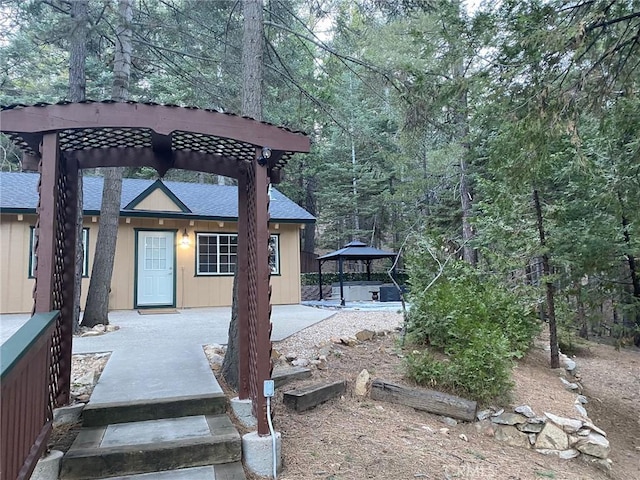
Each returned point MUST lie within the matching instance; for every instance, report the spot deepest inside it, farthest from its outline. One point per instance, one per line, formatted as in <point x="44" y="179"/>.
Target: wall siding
<point x="191" y="290"/>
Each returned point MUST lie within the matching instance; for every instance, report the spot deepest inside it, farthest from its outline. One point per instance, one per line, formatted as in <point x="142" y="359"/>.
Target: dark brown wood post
<point x="47" y="223"/>
<point x="69" y="211"/>
<point x="243" y="287"/>
<point x="262" y="318"/>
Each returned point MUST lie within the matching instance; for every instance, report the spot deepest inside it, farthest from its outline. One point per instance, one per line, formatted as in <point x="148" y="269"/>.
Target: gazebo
<point x="60" y="139"/>
<point x="354" y="250"/>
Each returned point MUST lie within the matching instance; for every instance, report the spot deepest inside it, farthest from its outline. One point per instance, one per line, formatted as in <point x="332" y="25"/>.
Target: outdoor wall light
<point x="186" y="241"/>
<point x="264" y="156"/>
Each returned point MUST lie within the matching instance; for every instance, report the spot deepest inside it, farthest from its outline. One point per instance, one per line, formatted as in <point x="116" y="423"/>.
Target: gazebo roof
<point x="146" y="134"/>
<point x="357" y="250"/>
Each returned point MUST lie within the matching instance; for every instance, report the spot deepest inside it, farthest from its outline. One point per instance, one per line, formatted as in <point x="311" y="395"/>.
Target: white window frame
<point x="274" y="254"/>
<point x="217" y="254"/>
<point x="32" y="252"/>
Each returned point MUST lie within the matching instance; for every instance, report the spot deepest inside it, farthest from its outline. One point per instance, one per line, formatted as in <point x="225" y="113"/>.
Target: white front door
<point x="155" y="272"/>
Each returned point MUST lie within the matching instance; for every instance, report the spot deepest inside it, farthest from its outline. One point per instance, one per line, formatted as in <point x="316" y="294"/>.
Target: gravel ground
<point x="306" y="343"/>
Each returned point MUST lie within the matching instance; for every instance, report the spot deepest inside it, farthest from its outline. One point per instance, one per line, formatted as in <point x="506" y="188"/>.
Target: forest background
<point x="504" y="133"/>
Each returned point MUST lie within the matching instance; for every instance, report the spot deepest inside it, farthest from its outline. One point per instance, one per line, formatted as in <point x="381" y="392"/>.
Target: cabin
<point x="176" y="247"/>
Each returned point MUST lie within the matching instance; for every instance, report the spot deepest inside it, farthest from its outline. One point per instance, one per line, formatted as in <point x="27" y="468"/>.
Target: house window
<point x="32" y="252"/>
<point x="274" y="254"/>
<point x="217" y="254"/>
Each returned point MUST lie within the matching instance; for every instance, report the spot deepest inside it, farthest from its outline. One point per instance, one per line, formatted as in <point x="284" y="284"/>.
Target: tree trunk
<point x="252" y="74"/>
<point x="461" y="124"/>
<point x="97" y="307"/>
<point x="633" y="271"/>
<point x="582" y="317"/>
<point x="77" y="88"/>
<point x="546" y="271"/>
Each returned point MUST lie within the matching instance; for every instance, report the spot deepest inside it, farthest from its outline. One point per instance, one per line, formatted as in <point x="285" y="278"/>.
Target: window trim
<point x="275" y="272"/>
<point x="272" y="236"/>
<point x="198" y="273"/>
<point x="32" y="253"/>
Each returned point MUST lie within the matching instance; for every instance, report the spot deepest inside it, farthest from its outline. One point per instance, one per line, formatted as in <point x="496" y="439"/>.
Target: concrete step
<point x="109" y="413"/>
<point x="152" y="446"/>
<point x="228" y="471"/>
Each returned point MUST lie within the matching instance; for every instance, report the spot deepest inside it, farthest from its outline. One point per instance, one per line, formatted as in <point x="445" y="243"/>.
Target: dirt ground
<point x="358" y="438"/>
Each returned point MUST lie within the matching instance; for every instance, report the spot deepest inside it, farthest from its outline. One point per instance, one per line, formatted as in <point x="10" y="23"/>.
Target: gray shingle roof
<point x="18" y="192"/>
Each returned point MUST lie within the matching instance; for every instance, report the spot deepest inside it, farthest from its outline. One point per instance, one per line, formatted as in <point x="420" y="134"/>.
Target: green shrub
<point x="476" y="320"/>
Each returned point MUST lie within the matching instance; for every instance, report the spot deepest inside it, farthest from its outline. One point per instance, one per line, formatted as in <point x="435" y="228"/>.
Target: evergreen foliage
<point x="478" y="322"/>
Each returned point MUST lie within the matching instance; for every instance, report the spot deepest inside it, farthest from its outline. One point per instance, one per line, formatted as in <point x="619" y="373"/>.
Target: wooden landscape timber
<point x="425" y="399"/>
<point x="305" y="398"/>
<point x="284" y="375"/>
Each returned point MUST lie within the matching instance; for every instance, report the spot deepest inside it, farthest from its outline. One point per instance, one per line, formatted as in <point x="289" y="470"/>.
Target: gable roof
<point x="19" y="194"/>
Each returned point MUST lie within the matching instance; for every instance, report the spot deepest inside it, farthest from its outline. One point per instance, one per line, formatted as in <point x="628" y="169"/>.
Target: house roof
<point x="19" y="194"/>
<point x="357" y="250"/>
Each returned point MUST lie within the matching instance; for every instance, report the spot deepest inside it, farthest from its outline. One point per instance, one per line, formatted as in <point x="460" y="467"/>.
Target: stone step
<point x="227" y="471"/>
<point x="109" y="413"/>
<point x="151" y="446"/>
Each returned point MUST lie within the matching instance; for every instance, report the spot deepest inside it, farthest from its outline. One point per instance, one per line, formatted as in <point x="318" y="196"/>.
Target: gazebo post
<point x="320" y="277"/>
<point x="342" y="301"/>
<point x="368" y="270"/>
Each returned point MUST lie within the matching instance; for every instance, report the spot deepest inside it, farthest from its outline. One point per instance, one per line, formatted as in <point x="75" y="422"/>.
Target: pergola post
<point x="243" y="287"/>
<point x="254" y="282"/>
<point x="55" y="253"/>
<point x="47" y="224"/>
<point x="320" y="277"/>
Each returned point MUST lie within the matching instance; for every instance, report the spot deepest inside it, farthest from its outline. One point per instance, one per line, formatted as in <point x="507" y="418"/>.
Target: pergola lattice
<point x="62" y="138"/>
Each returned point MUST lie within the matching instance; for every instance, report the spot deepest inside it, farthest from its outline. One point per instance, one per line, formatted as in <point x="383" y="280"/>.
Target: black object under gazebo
<point x="355" y="250"/>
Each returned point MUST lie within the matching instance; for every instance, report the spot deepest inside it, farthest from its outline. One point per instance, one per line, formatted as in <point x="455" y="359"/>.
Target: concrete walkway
<point x="160" y="356"/>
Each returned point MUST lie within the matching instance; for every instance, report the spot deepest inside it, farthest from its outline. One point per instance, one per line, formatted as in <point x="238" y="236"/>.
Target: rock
<point x="463" y="437"/>
<point x="275" y="354"/>
<point x="349" y="341"/>
<point x="570" y="365"/>
<point x="512" y="436"/>
<point x="444" y="431"/>
<point x="497" y="412"/>
<point x="84" y="398"/>
<point x="603" y="464"/>
<point x="595" y="429"/>
<point x="449" y="421"/>
<point x="572" y="387"/>
<point x="362" y="383"/>
<point x="112" y="328"/>
<point x="584" y="432"/>
<point x="530" y="427"/>
<point x="581" y="410"/>
<point x="322" y="363"/>
<point x="582" y="399"/>
<point x="564" y="454"/>
<point x="532" y="438"/>
<point x="215" y="359"/>
<point x="552" y="437"/>
<point x="300" y="362"/>
<point x="525" y="410"/>
<point x="569" y="425"/>
<point x="91" y="333"/>
<point x="335" y="340"/>
<point x="595" y="445"/>
<point x="509" y="419"/>
<point x="365" y="335"/>
<point x="484" y="414"/>
<point x="485" y="427"/>
<point x="88" y="378"/>
<point x="99" y="327"/>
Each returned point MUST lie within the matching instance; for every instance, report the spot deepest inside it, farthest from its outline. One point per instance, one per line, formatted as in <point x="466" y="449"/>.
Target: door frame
<point x="136" y="231"/>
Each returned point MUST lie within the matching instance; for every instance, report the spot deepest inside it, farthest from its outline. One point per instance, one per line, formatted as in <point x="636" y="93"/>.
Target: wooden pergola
<point x="63" y="138"/>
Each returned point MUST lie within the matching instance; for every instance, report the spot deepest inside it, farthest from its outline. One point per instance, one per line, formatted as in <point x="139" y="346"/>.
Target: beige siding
<point x="191" y="290"/>
<point x="158" y="201"/>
